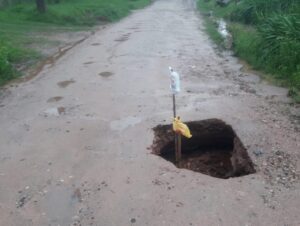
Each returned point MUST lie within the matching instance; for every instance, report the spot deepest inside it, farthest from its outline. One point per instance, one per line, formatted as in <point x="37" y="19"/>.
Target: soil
<point x="214" y="149"/>
<point x="91" y="164"/>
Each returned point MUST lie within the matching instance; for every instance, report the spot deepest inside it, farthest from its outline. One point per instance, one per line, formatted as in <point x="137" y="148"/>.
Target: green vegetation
<point x="9" y="57"/>
<point x="266" y="33"/>
<point x="20" y="22"/>
<point x="211" y="30"/>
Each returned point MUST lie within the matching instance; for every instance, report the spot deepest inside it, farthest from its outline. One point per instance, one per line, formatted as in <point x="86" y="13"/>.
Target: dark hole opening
<point x="214" y="149"/>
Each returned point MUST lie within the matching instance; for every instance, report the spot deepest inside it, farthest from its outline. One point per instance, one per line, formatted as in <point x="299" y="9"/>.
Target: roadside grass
<point x="210" y="28"/>
<point x="246" y="41"/>
<point x="21" y="26"/>
<point x="271" y="45"/>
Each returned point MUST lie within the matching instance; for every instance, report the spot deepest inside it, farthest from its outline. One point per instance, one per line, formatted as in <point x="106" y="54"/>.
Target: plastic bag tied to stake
<point x="181" y="128"/>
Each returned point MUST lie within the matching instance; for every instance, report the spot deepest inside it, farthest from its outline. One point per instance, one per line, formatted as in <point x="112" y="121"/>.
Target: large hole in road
<point x="214" y="149"/>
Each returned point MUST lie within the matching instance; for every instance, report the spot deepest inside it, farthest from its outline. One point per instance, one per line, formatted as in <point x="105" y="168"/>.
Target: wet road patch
<point x="214" y="149"/>
<point x="123" y="38"/>
<point x="54" y="111"/>
<point x="106" y="74"/>
<point x="64" y="84"/>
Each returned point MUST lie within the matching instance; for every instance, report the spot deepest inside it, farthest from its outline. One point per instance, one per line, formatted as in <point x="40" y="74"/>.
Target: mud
<point x="214" y="149"/>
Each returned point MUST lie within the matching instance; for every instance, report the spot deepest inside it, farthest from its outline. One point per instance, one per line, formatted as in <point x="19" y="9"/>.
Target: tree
<point x="41" y="6"/>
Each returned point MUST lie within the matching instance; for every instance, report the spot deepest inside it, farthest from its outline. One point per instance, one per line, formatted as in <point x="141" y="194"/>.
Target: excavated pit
<point x="214" y="149"/>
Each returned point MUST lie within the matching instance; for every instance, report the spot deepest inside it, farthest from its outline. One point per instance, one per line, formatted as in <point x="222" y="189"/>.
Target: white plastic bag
<point x="175" y="81"/>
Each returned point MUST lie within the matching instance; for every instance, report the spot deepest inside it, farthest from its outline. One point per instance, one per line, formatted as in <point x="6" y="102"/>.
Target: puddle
<point x="124" y="123"/>
<point x="64" y="84"/>
<point x="214" y="149"/>
<point x="77" y="195"/>
<point x="54" y="111"/>
<point x="106" y="74"/>
<point x="54" y="99"/>
<point x="60" y="205"/>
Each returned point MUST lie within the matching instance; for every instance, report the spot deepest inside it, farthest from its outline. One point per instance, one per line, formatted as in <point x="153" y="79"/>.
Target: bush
<point x="246" y="43"/>
<point x="255" y="11"/>
<point x="281" y="44"/>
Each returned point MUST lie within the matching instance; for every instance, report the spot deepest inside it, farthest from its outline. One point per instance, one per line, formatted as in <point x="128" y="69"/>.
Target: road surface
<point x="76" y="139"/>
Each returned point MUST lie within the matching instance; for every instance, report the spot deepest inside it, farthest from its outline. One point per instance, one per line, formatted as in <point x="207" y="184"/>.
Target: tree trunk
<point x="41" y="6"/>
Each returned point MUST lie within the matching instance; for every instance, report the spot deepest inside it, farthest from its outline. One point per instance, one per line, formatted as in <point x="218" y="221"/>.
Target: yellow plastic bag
<point x="180" y="127"/>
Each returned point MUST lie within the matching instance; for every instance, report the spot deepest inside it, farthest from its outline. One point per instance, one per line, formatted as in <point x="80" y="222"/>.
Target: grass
<point x="210" y="28"/>
<point x="268" y="38"/>
<point x="20" y="24"/>
<point x="246" y="41"/>
<point x="73" y="12"/>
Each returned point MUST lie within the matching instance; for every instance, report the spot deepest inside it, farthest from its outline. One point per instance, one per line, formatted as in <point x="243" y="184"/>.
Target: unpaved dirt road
<point x="75" y="139"/>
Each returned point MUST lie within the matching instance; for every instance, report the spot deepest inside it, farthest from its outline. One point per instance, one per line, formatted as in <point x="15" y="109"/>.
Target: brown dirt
<point x="214" y="149"/>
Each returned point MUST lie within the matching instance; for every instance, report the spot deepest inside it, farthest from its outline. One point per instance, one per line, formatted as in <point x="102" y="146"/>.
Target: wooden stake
<point x="174" y="106"/>
<point x="178" y="156"/>
<point x="177" y="137"/>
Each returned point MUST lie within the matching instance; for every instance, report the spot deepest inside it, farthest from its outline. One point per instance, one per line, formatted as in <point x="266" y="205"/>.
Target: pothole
<point x="214" y="149"/>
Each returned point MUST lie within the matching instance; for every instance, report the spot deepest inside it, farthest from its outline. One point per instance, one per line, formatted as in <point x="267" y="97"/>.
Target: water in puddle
<point x="55" y="111"/>
<point x="60" y="205"/>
